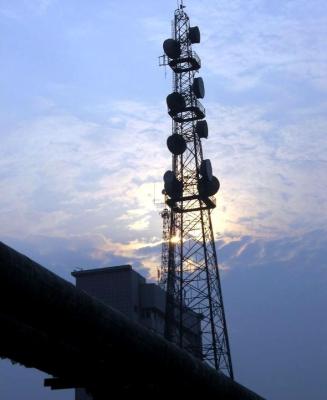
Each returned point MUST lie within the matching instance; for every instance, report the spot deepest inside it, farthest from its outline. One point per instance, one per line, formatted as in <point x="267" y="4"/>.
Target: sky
<point x="83" y="127"/>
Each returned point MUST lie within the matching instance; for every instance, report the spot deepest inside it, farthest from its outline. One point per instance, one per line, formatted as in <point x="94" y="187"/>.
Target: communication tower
<point x="189" y="269"/>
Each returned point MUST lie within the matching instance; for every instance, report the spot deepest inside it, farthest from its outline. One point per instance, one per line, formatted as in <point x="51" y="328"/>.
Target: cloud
<point x="69" y="177"/>
<point x="78" y="181"/>
<point x="92" y="172"/>
<point x="308" y="250"/>
<point x="60" y="162"/>
<point x="254" y="43"/>
<point x="266" y="169"/>
<point x="275" y="294"/>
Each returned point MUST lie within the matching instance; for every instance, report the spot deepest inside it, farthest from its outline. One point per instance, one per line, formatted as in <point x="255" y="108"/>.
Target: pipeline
<point x="48" y="324"/>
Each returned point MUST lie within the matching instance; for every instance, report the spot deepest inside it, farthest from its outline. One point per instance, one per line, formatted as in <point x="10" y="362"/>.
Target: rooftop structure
<point x="127" y="291"/>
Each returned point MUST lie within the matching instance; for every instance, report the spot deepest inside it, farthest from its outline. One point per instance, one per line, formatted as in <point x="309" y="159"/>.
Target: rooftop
<point x="97" y="271"/>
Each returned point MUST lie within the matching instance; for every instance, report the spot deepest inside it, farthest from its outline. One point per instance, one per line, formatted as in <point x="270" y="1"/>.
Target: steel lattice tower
<point x="189" y="270"/>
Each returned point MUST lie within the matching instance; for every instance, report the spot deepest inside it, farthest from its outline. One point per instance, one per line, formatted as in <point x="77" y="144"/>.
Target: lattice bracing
<point x="189" y="270"/>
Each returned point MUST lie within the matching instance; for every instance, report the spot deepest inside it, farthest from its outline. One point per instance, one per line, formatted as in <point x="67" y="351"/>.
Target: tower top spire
<point x="181" y="4"/>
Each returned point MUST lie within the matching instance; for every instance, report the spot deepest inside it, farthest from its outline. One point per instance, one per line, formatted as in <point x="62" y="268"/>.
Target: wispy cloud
<point x="92" y="171"/>
<point x="253" y="42"/>
<point x="266" y="169"/>
<point x="305" y="250"/>
<point x="64" y="175"/>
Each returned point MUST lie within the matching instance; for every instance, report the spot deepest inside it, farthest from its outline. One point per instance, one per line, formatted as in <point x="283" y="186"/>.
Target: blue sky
<point x="83" y="126"/>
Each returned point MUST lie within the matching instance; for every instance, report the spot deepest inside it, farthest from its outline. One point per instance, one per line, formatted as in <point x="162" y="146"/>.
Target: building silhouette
<point x="127" y="291"/>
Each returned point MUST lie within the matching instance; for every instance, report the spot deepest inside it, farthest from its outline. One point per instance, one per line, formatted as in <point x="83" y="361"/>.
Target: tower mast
<point x="189" y="271"/>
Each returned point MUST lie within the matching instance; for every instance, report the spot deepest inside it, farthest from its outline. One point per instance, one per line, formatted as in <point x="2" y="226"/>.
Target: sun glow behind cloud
<point x="72" y="177"/>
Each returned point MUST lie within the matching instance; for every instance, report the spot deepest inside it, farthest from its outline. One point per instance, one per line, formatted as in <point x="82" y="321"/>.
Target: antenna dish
<point x="194" y="34"/>
<point x="176" y="144"/>
<point x="169" y="177"/>
<point x="201" y="129"/>
<point x="206" y="170"/>
<point x="208" y="188"/>
<point x="173" y="187"/>
<point x="176" y="102"/>
<point x="198" y="87"/>
<point x="172" y="48"/>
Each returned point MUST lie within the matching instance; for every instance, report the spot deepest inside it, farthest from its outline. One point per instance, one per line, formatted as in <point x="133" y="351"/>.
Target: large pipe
<point x="79" y="339"/>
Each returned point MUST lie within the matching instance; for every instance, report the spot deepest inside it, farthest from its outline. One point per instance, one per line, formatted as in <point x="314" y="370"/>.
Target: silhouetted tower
<point x="189" y="271"/>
